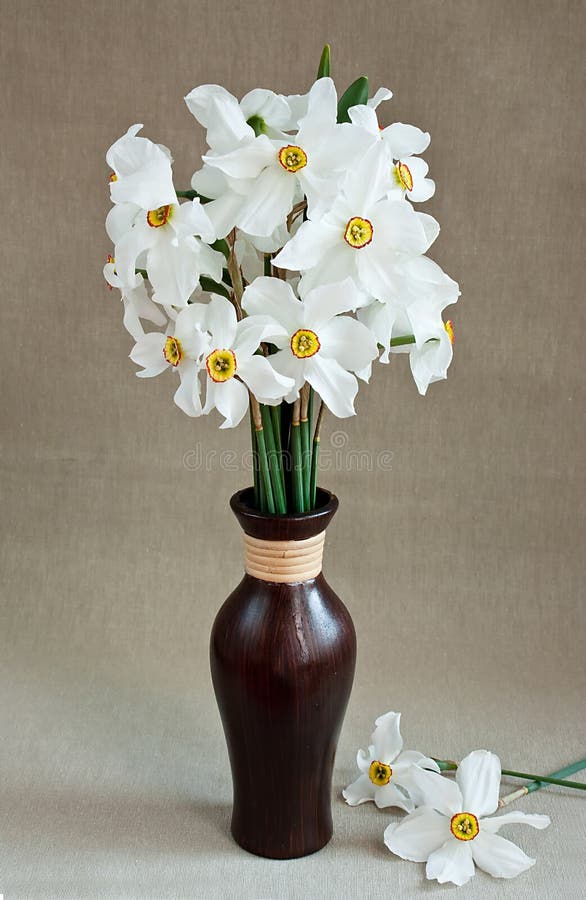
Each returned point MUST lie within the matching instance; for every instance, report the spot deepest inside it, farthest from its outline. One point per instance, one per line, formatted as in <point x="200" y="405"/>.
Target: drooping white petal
<point x="364" y="758"/>
<point x="360" y="791"/>
<point x="231" y="400"/>
<point x="252" y="330"/>
<point x="174" y="270"/>
<point x="365" y="117"/>
<point x="219" y="112"/>
<point x="423" y="188"/>
<point x="265" y="382"/>
<point x="431" y="789"/>
<point x="380" y="96"/>
<point x="379" y="318"/>
<point x="224" y="211"/>
<point x="349" y="342"/>
<point x="192" y="218"/>
<point x="479" y="778"/>
<point x="221" y="322"/>
<point x="148" y="353"/>
<point x="495" y="823"/>
<point x="430" y="227"/>
<point x="386" y="737"/>
<point x="368" y="182"/>
<point x="187" y="395"/>
<point x="499" y="857"/>
<point x="270" y="107"/>
<point x="120" y="220"/>
<point x="309" y="246"/>
<point x="323" y="303"/>
<point x="246" y="161"/>
<point x="130" y="246"/>
<point x="390" y="795"/>
<point x="452" y="862"/>
<point x="143" y="172"/>
<point x="408" y="758"/>
<point x="273" y="297"/>
<point x="418" y="835"/>
<point x="322" y="108"/>
<point x="335" y="385"/>
<point x="268" y="202"/>
<point x="189" y="331"/>
<point x="405" y="140"/>
<point x="287" y="364"/>
<point x="138" y="305"/>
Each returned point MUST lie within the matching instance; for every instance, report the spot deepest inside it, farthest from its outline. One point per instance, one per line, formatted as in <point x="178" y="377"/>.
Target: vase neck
<point x="284" y="562"/>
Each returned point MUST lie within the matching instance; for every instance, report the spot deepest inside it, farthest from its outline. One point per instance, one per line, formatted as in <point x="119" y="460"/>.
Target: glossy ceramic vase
<point x="282" y="651"/>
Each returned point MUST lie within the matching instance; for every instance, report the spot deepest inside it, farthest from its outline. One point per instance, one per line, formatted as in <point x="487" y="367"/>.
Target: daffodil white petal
<point x="336" y="387"/>
<point x="143" y="172"/>
<point x="219" y="112"/>
<point x="386" y="737"/>
<point x="365" y="117"/>
<point x="431" y="789"/>
<point x="405" y="140"/>
<point x="120" y="220"/>
<point x="271" y="107"/>
<point x="192" y="218"/>
<point x="479" y="778"/>
<point x="137" y="306"/>
<point x="380" y="96"/>
<point x="323" y="303"/>
<point x="187" y="394"/>
<point x="231" y="401"/>
<point x="495" y="823"/>
<point x="247" y="161"/>
<point x="275" y="298"/>
<point x="130" y="246"/>
<point x="430" y="362"/>
<point x="308" y="247"/>
<point x="288" y="365"/>
<point x="148" y="353"/>
<point x="265" y="383"/>
<point x="360" y="791"/>
<point x="364" y="759"/>
<point x="418" y="835"/>
<point x="430" y="226"/>
<point x="408" y="758"/>
<point x="368" y="183"/>
<point x="499" y="857"/>
<point x="390" y="795"/>
<point x="221" y="322"/>
<point x="348" y="341"/>
<point x="174" y="270"/>
<point x="452" y="862"/>
<point x="266" y="207"/>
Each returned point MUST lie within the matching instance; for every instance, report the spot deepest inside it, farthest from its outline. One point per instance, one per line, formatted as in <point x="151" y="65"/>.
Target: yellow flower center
<point x="379" y="773"/>
<point x="358" y="232"/>
<point x="221" y="365"/>
<point x="172" y="351"/>
<point x="159" y="217"/>
<point x="113" y="177"/>
<point x="464" y="826"/>
<point x="403" y="176"/>
<point x="449" y="326"/>
<point x="292" y="158"/>
<point x="304" y="343"/>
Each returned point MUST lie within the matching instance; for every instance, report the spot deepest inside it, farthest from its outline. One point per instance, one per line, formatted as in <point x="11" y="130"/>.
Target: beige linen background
<point x="460" y="554"/>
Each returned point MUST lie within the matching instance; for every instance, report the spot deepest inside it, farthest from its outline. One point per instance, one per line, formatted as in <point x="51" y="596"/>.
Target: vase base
<point x="292" y="852"/>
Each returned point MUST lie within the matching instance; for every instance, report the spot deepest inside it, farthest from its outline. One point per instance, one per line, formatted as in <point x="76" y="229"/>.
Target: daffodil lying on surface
<point x="452" y="830"/>
<point x="387" y="770"/>
<point x="300" y="248"/>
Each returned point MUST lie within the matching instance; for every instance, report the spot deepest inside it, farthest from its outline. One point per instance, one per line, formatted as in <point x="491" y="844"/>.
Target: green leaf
<point x="355" y="95"/>
<point x="323" y="69"/>
<point x="258" y="124"/>
<point x="214" y="287"/>
<point x="222" y="246"/>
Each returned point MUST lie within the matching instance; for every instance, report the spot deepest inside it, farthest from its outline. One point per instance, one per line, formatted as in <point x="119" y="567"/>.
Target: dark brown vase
<point x="282" y="656"/>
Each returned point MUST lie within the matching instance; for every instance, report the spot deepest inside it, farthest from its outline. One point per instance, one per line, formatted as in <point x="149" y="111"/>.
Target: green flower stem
<point x="297" y="462"/>
<point x="401" y="341"/>
<point x="448" y="765"/>
<point x="214" y="287"/>
<point x="267" y="491"/>
<point x="315" y="455"/>
<point x="191" y="195"/>
<point x="267" y="264"/>
<point x="273" y="461"/>
<point x="305" y="446"/>
<point x="275" y="412"/>
<point x="255" y="465"/>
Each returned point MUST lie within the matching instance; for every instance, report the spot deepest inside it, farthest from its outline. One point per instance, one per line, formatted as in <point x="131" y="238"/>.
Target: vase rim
<point x="288" y="526"/>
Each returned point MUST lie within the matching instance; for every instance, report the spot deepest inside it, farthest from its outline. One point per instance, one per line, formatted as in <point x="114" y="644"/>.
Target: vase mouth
<point x="287" y="527"/>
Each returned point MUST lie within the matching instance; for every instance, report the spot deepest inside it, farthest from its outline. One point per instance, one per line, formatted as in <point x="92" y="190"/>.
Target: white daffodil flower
<point x="364" y="236"/>
<point x="430" y="361"/>
<point x="182" y="348"/>
<point x="318" y="344"/>
<point x="233" y="366"/>
<point x="173" y="238"/>
<point x="386" y="768"/>
<point x="421" y="291"/>
<point x="399" y="143"/>
<point x="141" y="171"/>
<point x="451" y="831"/>
<point x="137" y="303"/>
<point x="273" y="175"/>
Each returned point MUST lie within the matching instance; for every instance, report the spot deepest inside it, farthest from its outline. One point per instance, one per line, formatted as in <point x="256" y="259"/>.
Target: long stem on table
<point x="448" y="765"/>
<point x="315" y="455"/>
<point x="537" y="785"/>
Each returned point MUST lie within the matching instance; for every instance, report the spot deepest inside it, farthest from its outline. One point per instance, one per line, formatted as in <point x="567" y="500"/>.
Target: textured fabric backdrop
<point x="460" y="554"/>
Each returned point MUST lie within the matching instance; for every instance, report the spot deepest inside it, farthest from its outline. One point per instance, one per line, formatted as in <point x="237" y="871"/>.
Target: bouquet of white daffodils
<point x="296" y="259"/>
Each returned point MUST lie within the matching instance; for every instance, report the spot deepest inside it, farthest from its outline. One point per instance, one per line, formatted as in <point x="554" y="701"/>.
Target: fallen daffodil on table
<point x="452" y="828"/>
<point x="386" y="769"/>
